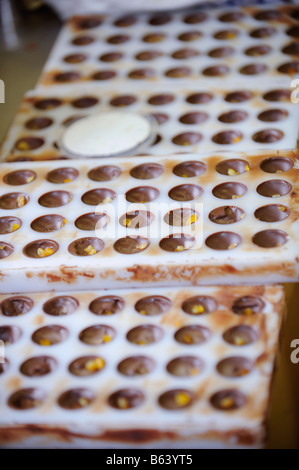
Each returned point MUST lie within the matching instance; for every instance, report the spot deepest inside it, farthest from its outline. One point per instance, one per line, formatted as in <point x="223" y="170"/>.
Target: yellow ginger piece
<point x="197" y="309"/>
<point x="64" y="221"/>
<point x="184" y="176"/>
<point x="20" y="201"/>
<point x="275" y="195"/>
<point x="232" y="172"/>
<point x="23" y="145"/>
<point x="282" y="208"/>
<point x="191" y="219"/>
<point x="123" y="403"/>
<point x="142" y="312"/>
<point x="239" y="341"/>
<point x="187" y="338"/>
<point x="106" y="338"/>
<point x="2" y="247"/>
<point x="95" y="364"/>
<point x="230" y="35"/>
<point x="235" y="196"/>
<point x="42" y="253"/>
<point x="233" y="245"/>
<point x="15" y="227"/>
<point x="106" y="200"/>
<point x="182" y="399"/>
<point x="246" y="168"/>
<point x="67" y="180"/>
<point x="90" y="250"/>
<point x="180" y="248"/>
<point x="194" y="371"/>
<point x="45" y="342"/>
<point x="30" y="178"/>
<point x="83" y="401"/>
<point x="248" y="311"/>
<point x="227" y="402"/>
<point x="141" y="246"/>
<point x="128" y="222"/>
<point x="236" y="139"/>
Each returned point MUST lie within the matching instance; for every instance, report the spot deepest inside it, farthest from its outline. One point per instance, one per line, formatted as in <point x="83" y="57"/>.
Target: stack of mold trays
<point x="192" y="244"/>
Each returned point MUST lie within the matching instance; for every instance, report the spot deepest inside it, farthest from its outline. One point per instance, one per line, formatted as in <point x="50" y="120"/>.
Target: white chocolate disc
<point x="107" y="134"/>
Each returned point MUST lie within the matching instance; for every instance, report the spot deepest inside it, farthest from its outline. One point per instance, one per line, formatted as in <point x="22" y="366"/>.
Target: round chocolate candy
<point x="189" y="36"/>
<point x="216" y="70"/>
<point x="126" y="398"/>
<point x="235" y="366"/>
<point x="123" y="101"/>
<point x="291" y="68"/>
<point x="76" y="398"/>
<point x="178" y="72"/>
<point x="48" y="223"/>
<point x="226" y="34"/>
<point x="86" y="246"/>
<point x="103" y="75"/>
<point x="293" y="32"/>
<point x="86" y="366"/>
<point x="154" y="37"/>
<point x="231" y="190"/>
<point x="17" y="305"/>
<point x="226" y="215"/>
<point x="11" y="201"/>
<point x="199" y="305"/>
<point x="136" y="365"/>
<point x="97" y="335"/>
<point x="85" y="102"/>
<point x="256" y="51"/>
<point x="264" y="32"/>
<point x="161" y="99"/>
<point x="194" y="118"/>
<point x="70" y="120"/>
<point x="4" y="366"/>
<point x="268" y="15"/>
<point x="55" y="199"/>
<point x="240" y="335"/>
<point x="253" y="69"/>
<point x="107" y="305"/>
<point x="147" y="171"/>
<point x="83" y="40"/>
<point x="229" y="399"/>
<point x="196" y="17"/>
<point x="111" y="57"/>
<point x="148" y="55"/>
<point x="67" y="77"/>
<point x="185" y="53"/>
<point x="131" y="245"/>
<point x="27" y="398"/>
<point x="50" y="335"/>
<point x="231" y="16"/>
<point x="153" y="305"/>
<point x="223" y="241"/>
<point x="136" y="219"/>
<point x="140" y="74"/>
<point x="239" y="96"/>
<point x="10" y="334"/>
<point x="48" y="103"/>
<point x="291" y="49"/>
<point x="278" y="95"/>
<point x="270" y="238"/>
<point x="75" y="58"/>
<point x="225" y="51"/>
<point x="273" y="115"/>
<point x="161" y="19"/>
<point x="272" y="213"/>
<point x="187" y="138"/>
<point x="90" y="22"/>
<point x="142" y="194"/>
<point x="98" y="196"/>
<point x="193" y="334"/>
<point x="62" y="175"/>
<point x="6" y="249"/>
<point x="145" y="334"/>
<point x="19" y="177"/>
<point x="60" y="306"/>
<point x="177" y="242"/>
<point x="9" y="224"/>
<point x="185" y="192"/>
<point x="227" y="137"/>
<point x="92" y="221"/>
<point x="125" y="21"/>
<point x="185" y="366"/>
<point x="29" y="143"/>
<point x="199" y="98"/>
<point x="177" y="399"/>
<point x="232" y="167"/>
<point x="181" y="217"/>
<point x="38" y="123"/>
<point x="276" y="164"/>
<point x="274" y="188"/>
<point x="41" y="248"/>
<point x="118" y="39"/>
<point x="190" y="169"/>
<point x="248" y="305"/>
<point x="38" y="366"/>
